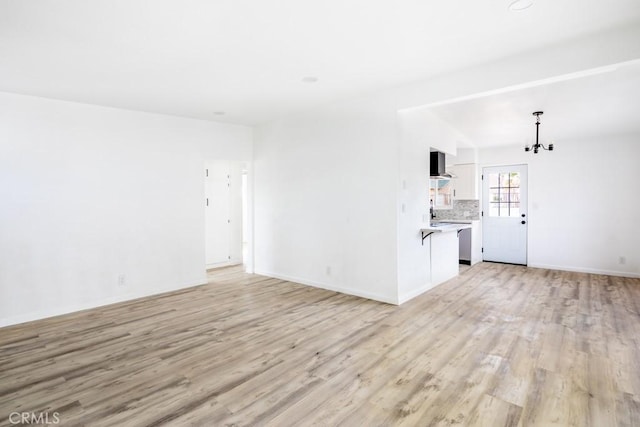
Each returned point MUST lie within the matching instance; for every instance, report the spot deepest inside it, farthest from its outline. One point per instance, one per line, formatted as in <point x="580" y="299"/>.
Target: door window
<point x="504" y="194"/>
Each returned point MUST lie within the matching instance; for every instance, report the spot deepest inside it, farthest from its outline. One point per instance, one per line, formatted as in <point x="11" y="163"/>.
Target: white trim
<point x="586" y="270"/>
<point x="58" y="311"/>
<point x="536" y="83"/>
<point x="416" y="292"/>
<point x="224" y="264"/>
<point x="342" y="290"/>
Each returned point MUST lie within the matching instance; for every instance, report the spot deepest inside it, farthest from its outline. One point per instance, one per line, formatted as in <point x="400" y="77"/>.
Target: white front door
<point x="504" y="214"/>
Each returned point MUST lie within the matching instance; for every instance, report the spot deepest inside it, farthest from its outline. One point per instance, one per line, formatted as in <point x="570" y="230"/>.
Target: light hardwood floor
<point x="500" y="345"/>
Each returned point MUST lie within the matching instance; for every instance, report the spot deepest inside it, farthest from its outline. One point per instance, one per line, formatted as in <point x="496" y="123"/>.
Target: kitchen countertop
<point x="455" y="221"/>
<point x="445" y="226"/>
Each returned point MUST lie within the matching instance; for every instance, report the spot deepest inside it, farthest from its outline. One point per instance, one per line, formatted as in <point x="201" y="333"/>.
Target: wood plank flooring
<point x="500" y="345"/>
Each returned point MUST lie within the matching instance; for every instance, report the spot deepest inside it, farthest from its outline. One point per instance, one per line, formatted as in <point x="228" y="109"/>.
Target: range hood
<point x="438" y="168"/>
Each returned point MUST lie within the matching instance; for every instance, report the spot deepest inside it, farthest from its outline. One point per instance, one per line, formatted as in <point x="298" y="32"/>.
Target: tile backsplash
<point x="462" y="209"/>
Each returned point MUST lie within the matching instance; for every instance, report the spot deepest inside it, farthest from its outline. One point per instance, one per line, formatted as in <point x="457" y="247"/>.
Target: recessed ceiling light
<point x="219" y="113"/>
<point x="309" y="79"/>
<point x="518" y="5"/>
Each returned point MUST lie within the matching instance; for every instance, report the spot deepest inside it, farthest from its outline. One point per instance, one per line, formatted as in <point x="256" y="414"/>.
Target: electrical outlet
<point x="121" y="280"/>
<point x="328" y="270"/>
<point x="622" y="260"/>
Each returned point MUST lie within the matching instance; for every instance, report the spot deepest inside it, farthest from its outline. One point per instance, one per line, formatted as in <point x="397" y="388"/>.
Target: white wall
<point x="583" y="203"/>
<point x="420" y="131"/>
<point x="325" y="199"/>
<point x="91" y="193"/>
<point x="463" y="156"/>
<point x="424" y="126"/>
<point x="342" y="186"/>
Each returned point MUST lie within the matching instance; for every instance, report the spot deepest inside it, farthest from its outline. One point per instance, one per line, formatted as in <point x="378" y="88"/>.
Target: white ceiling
<point x="247" y="57"/>
<point x="601" y="104"/>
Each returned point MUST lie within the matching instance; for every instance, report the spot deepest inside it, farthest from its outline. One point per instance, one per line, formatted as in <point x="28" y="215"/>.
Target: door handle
<point x="523" y="222"/>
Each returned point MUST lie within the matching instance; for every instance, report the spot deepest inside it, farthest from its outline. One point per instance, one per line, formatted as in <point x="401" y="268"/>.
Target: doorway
<point x="225" y="193"/>
<point x="504" y="214"/>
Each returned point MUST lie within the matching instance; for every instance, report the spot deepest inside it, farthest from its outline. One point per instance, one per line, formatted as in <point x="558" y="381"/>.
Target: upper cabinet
<point x="464" y="186"/>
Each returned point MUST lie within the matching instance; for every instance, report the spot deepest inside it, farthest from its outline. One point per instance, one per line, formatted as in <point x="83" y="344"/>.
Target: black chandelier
<point x="537" y="145"/>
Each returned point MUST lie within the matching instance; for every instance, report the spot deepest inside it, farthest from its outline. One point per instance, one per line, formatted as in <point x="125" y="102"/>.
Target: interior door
<point x="218" y="227"/>
<point x="504" y="214"/>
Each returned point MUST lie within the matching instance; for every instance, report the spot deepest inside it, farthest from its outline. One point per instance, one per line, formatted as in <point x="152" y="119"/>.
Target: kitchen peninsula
<point x="442" y="239"/>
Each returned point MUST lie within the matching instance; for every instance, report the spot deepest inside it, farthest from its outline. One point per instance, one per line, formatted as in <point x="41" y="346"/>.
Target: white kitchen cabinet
<point x="465" y="186"/>
<point x="444" y="257"/>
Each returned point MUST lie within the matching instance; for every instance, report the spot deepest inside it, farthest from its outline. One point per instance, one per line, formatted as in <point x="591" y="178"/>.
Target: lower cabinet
<point x="444" y="257"/>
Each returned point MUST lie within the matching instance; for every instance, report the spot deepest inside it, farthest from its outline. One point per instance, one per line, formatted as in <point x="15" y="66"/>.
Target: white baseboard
<point x="586" y="270"/>
<point x="410" y="295"/>
<point x="58" y="311"/>
<point x="342" y="290"/>
<point x="223" y="264"/>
